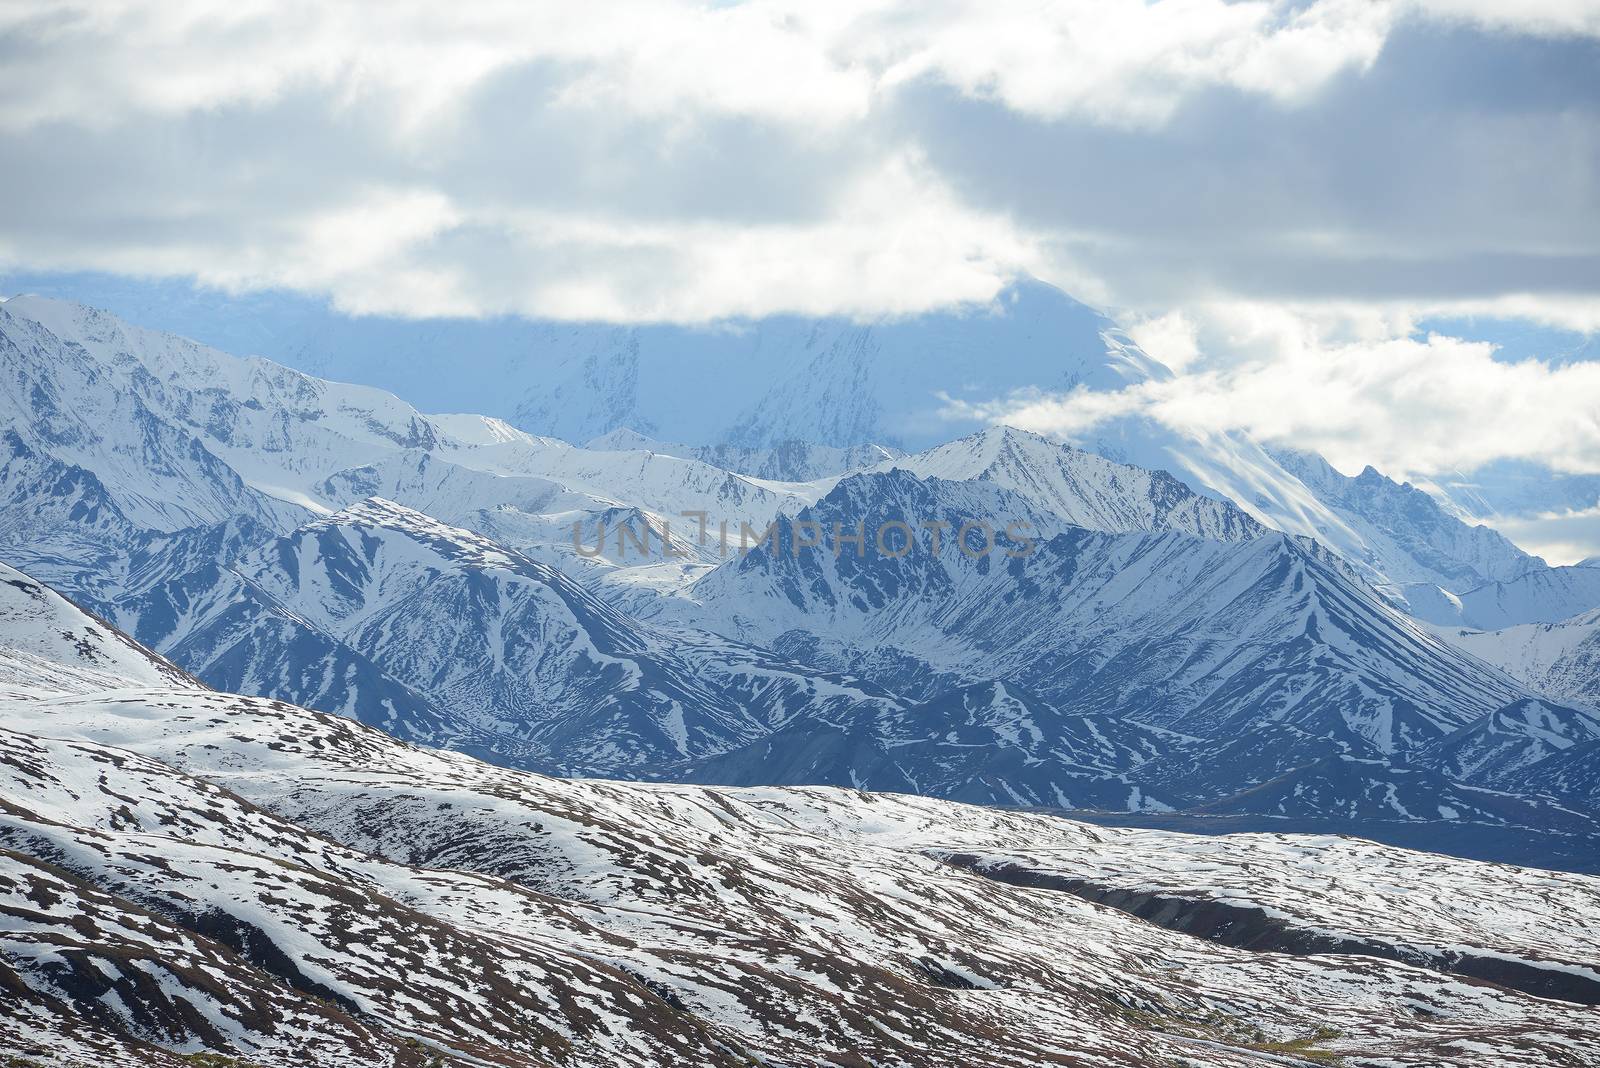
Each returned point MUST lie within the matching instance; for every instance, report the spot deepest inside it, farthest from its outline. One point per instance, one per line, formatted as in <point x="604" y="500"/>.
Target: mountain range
<point x="1235" y="634"/>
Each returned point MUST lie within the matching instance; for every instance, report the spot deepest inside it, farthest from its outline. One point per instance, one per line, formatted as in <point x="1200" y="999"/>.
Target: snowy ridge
<point x="1408" y="535"/>
<point x="1172" y="630"/>
<point x="1498" y="749"/>
<point x="786" y="461"/>
<point x="1561" y="659"/>
<point x="282" y="431"/>
<point x="46" y="641"/>
<point x="280" y="445"/>
<point x="443" y="636"/>
<point x="1079" y="488"/>
<point x="117" y="409"/>
<point x="1548" y="595"/>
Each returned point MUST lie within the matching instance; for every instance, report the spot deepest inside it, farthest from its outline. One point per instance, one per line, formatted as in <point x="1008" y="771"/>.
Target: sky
<point x="1367" y="227"/>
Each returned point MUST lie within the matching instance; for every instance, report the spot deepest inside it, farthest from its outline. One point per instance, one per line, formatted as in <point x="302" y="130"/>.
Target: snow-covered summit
<point x="1079" y="487"/>
<point x="1407" y="534"/>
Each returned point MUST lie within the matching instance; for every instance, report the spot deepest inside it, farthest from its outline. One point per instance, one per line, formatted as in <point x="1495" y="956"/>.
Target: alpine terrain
<point x="340" y="732"/>
<point x="194" y="877"/>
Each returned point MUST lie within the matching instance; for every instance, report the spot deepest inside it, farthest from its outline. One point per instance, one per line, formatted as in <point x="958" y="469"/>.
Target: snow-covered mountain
<point x="1374" y="791"/>
<point x="258" y="438"/>
<point x="1547" y="595"/>
<point x="442" y="636"/>
<point x="1498" y="749"/>
<point x="1407" y="534"/>
<point x="1136" y="640"/>
<point x="985" y="743"/>
<point x="1079" y="488"/>
<point x="785" y="461"/>
<point x="1137" y="671"/>
<point x="48" y="644"/>
<point x="1190" y="634"/>
<point x="1517" y="489"/>
<point x="188" y="875"/>
<point x="164" y="434"/>
<point x="1561" y="660"/>
<point x="1573" y="775"/>
<point x="690" y="384"/>
<point x="64" y="403"/>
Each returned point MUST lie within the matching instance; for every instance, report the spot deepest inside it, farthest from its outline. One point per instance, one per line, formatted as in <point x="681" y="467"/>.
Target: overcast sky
<point x="1272" y="195"/>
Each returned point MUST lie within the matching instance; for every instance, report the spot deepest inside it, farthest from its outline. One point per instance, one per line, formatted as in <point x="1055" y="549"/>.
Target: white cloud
<point x="638" y="159"/>
<point x="1554" y="17"/>
<point x="1171" y="337"/>
<point x="667" y="160"/>
<point x="1575" y="312"/>
<point x="1561" y="537"/>
<point x="1409" y="406"/>
<point x="894" y="241"/>
<point x="1134" y="62"/>
<point x="891" y="224"/>
<point x="1117" y="60"/>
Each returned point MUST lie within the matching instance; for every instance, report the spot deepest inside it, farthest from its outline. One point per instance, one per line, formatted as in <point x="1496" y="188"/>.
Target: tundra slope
<point x="184" y="870"/>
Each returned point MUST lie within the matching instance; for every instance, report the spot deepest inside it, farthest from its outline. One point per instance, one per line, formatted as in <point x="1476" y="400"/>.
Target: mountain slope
<point x="1167" y="660"/>
<point x="1204" y="637"/>
<point x="47" y="641"/>
<point x="170" y="434"/>
<point x="676" y="384"/>
<point x="984" y="744"/>
<point x="785" y="461"/>
<point x="107" y="417"/>
<point x="1512" y="741"/>
<point x="1549" y="595"/>
<point x="1561" y="660"/>
<point x="1572" y="775"/>
<point x="1408" y="535"/>
<point x="742" y="400"/>
<point x="1079" y="488"/>
<point x="439" y="635"/>
<point x="261" y="881"/>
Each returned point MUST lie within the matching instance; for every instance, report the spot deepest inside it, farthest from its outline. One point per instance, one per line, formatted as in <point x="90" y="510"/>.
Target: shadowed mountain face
<point x="442" y="636"/>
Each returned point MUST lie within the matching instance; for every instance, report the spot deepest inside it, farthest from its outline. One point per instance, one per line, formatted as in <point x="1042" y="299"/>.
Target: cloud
<point x="671" y="160"/>
<point x="1272" y="194"/>
<point x="1172" y="338"/>
<point x="1410" y="406"/>
<point x="1552" y="17"/>
<point x="1563" y="537"/>
<point x="1133" y="63"/>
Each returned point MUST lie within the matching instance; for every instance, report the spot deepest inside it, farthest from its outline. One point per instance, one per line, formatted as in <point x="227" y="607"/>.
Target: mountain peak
<point x="1080" y="488"/>
<point x="1001" y="435"/>
<point x="455" y="544"/>
<point x="623" y="439"/>
<point x="382" y="512"/>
